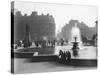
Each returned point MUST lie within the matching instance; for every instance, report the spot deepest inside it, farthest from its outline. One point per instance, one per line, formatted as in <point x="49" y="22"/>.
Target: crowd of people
<point x="38" y="44"/>
<point x="64" y="56"/>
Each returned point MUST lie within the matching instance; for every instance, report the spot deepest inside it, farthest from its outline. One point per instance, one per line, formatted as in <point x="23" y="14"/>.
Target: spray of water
<point x="75" y="32"/>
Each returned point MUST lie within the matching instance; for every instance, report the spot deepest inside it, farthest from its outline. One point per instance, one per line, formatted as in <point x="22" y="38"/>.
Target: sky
<point x="62" y="13"/>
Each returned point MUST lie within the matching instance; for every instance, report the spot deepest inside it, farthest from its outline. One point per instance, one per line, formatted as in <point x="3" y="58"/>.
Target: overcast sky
<point x="62" y="13"/>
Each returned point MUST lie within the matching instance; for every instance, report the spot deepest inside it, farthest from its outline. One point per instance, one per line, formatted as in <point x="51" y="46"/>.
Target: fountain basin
<point x="85" y="52"/>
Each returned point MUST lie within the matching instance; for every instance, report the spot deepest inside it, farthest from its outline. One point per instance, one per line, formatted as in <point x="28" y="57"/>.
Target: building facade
<point x="40" y="26"/>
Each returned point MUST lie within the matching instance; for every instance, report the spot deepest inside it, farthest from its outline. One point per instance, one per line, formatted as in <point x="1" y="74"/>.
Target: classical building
<point x="86" y="32"/>
<point x="40" y="26"/>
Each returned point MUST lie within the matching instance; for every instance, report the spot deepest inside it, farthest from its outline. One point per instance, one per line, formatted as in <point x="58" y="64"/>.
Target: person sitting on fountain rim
<point x="64" y="57"/>
<point x="66" y="54"/>
<point x="60" y="53"/>
<point x="60" y="56"/>
<point x="69" y="55"/>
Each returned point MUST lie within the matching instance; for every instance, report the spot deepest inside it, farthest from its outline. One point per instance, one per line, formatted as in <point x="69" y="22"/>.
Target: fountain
<point x="75" y="40"/>
<point x="75" y="53"/>
<point x="75" y="32"/>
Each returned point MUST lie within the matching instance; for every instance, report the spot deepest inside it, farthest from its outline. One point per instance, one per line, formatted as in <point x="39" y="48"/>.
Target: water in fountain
<point x="75" y="32"/>
<point x="84" y="52"/>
